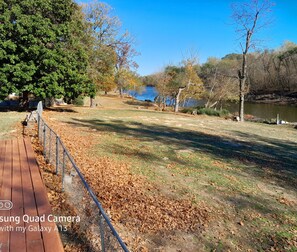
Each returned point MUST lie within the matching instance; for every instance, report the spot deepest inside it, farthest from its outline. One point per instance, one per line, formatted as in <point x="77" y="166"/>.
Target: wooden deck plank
<point x="2" y="160"/>
<point x="34" y="241"/>
<point x="21" y="182"/>
<point x="17" y="236"/>
<point x="6" y="195"/>
<point x="51" y="240"/>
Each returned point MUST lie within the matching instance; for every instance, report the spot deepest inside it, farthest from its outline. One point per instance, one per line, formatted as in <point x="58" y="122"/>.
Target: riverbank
<point x="274" y="98"/>
<point x="264" y="106"/>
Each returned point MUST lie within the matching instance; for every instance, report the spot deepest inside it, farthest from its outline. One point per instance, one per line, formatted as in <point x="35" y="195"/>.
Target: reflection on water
<point x="268" y="111"/>
<point x="265" y="111"/>
<point x="149" y="93"/>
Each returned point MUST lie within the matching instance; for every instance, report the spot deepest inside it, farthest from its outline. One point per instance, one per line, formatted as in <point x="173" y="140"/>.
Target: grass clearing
<point x="10" y="123"/>
<point x="246" y="173"/>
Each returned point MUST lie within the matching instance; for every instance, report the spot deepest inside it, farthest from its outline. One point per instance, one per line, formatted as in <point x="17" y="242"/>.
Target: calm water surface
<point x="266" y="111"/>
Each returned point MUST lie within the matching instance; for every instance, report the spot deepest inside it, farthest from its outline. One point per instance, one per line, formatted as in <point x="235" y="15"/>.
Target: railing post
<point x="63" y="169"/>
<point x="44" y="140"/>
<point x="101" y="219"/>
<point x="38" y="125"/>
<point x="50" y="145"/>
<point x="57" y="154"/>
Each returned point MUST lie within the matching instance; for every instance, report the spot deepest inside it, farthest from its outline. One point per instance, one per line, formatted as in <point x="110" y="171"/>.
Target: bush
<point x="270" y="121"/>
<point x="188" y="110"/>
<point x="79" y="101"/>
<point x="212" y="112"/>
<point x="205" y="111"/>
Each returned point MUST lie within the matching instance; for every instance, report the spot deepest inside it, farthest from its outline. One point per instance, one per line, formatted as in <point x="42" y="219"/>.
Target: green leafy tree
<point x="110" y="52"/>
<point x="40" y="52"/>
<point x="128" y="80"/>
<point x="220" y="80"/>
<point x="103" y="29"/>
<point x="178" y="83"/>
<point x="184" y="82"/>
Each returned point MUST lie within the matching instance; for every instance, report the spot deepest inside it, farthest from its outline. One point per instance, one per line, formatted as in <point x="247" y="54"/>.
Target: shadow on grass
<point x="16" y="109"/>
<point x="275" y="220"/>
<point x="264" y="152"/>
<point x="143" y="155"/>
<point x="260" y="151"/>
<point x="61" y="109"/>
<point x="139" y="103"/>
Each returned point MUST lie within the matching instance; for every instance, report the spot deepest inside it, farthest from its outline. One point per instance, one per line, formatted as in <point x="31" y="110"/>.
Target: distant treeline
<point x="269" y="72"/>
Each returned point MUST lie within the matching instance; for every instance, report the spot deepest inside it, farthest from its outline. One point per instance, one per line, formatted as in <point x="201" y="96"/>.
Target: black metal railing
<point x="94" y="222"/>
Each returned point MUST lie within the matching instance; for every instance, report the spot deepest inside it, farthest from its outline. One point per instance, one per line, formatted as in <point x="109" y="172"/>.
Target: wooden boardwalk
<point x="21" y="228"/>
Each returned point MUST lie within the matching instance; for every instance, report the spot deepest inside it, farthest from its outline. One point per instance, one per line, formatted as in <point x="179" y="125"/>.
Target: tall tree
<point x="161" y="81"/>
<point x="220" y="80"/>
<point x="38" y="53"/>
<point x="111" y="52"/>
<point x="249" y="17"/>
<point x="125" y="62"/>
<point x="103" y="29"/>
<point x="179" y="83"/>
<point x="190" y="82"/>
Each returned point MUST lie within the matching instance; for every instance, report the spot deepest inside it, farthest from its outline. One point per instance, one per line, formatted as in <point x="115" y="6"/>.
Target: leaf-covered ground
<point x="186" y="183"/>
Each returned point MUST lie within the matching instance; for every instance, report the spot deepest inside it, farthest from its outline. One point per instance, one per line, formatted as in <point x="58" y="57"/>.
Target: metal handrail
<point x="86" y="185"/>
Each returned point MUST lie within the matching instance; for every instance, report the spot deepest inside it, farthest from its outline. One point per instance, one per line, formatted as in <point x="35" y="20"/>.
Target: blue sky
<point x="166" y="30"/>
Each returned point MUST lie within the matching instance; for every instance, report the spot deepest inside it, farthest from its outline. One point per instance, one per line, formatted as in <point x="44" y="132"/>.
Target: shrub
<point x="188" y="110"/>
<point x="212" y="112"/>
<point x="79" y="101"/>
<point x="205" y="111"/>
<point x="270" y="121"/>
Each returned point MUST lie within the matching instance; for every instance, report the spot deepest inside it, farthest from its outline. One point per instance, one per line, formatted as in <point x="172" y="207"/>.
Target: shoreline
<point x="273" y="98"/>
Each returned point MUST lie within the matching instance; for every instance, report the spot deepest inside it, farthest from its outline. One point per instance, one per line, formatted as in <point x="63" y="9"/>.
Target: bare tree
<point x="103" y="29"/>
<point x="111" y="53"/>
<point x="220" y="80"/>
<point x="125" y="61"/>
<point x="249" y="17"/>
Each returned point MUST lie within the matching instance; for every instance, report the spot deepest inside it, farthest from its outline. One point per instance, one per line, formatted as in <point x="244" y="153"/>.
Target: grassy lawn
<point x="10" y="123"/>
<point x="245" y="174"/>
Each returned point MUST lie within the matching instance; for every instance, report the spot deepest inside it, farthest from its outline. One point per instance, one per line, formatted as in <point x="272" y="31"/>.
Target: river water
<point x="265" y="111"/>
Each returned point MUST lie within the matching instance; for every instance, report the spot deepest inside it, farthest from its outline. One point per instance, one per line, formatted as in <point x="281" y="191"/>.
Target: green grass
<point x="8" y="123"/>
<point x="238" y="169"/>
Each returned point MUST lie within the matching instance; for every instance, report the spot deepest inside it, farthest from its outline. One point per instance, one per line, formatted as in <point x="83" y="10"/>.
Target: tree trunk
<point x="25" y="100"/>
<point x="210" y="105"/>
<point x="243" y="71"/>
<point x="176" y="106"/>
<point x="242" y="76"/>
<point x="53" y="101"/>
<point x="241" y="99"/>
<point x="121" y="92"/>
<point x="49" y="102"/>
<point x="92" y="102"/>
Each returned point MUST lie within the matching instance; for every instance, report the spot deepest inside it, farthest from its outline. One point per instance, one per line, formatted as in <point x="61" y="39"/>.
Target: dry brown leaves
<point x="286" y="201"/>
<point x="56" y="198"/>
<point x="134" y="205"/>
<point x="128" y="197"/>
